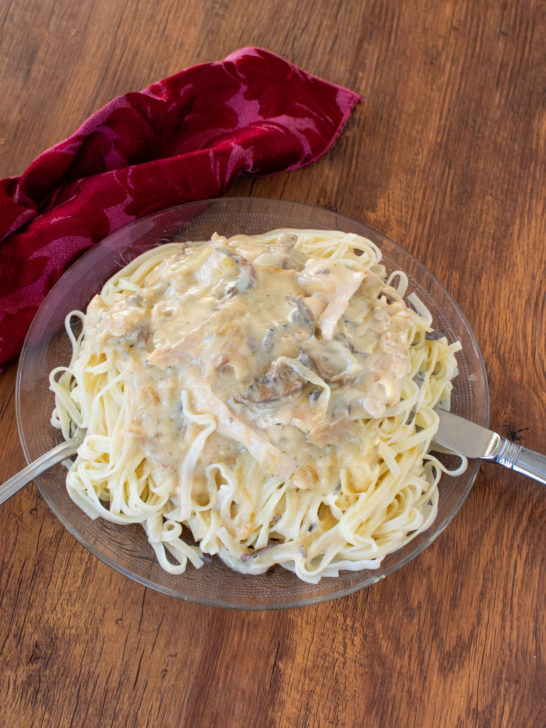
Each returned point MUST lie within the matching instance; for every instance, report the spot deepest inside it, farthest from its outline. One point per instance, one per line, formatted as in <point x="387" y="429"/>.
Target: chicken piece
<point x="247" y="276"/>
<point x="333" y="282"/>
<point x="122" y="323"/>
<point x="272" y="460"/>
<point x="331" y="433"/>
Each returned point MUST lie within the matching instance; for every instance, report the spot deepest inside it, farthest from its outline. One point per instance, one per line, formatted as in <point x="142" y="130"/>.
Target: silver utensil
<point x="473" y="441"/>
<point x="455" y="433"/>
<point x="45" y="461"/>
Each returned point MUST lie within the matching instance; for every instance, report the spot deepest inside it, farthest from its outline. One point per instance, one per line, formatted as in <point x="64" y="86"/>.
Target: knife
<point x="469" y="439"/>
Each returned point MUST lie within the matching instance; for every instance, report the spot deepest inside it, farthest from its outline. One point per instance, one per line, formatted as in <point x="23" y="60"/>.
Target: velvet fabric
<point x="184" y="138"/>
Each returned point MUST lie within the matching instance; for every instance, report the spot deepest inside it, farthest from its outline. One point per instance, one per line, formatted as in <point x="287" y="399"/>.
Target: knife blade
<point x="465" y="436"/>
<point x="474" y="441"/>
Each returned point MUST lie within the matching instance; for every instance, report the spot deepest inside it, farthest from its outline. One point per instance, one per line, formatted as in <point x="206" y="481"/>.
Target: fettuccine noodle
<point x="271" y="395"/>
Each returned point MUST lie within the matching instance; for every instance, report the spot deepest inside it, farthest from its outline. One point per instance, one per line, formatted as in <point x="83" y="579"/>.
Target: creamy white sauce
<point x="286" y="352"/>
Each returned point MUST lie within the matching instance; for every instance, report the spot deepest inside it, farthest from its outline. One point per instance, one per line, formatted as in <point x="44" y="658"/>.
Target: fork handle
<point x="519" y="458"/>
<point x="45" y="461"/>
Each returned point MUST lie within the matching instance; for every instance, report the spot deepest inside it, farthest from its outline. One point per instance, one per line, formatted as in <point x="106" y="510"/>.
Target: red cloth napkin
<point x="184" y="138"/>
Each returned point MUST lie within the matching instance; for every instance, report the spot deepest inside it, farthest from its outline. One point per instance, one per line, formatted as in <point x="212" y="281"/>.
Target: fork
<point x="44" y="462"/>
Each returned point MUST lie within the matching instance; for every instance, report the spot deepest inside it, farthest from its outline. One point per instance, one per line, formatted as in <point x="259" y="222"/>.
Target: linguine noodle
<point x="268" y="399"/>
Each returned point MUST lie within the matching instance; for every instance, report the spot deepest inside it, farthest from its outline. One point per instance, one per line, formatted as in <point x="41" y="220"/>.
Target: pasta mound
<point x="271" y="395"/>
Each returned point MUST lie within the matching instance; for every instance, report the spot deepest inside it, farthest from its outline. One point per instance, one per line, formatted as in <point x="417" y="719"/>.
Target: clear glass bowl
<point x="125" y="548"/>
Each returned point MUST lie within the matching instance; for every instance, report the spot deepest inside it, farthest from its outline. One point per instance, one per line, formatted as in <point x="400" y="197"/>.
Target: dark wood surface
<point x="447" y="157"/>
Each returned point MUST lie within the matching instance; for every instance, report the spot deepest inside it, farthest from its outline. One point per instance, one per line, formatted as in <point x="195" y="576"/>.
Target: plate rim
<point x="437" y="529"/>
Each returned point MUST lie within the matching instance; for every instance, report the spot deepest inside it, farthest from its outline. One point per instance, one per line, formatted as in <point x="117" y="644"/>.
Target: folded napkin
<point x="184" y="138"/>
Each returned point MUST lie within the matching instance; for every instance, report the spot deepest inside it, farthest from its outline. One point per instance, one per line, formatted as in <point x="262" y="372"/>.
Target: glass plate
<point x="125" y="548"/>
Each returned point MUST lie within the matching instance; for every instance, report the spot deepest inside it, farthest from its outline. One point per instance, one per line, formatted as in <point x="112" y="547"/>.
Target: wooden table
<point x="447" y="157"/>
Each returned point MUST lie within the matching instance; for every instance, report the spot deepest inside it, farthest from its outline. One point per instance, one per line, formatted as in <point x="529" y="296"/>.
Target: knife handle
<point x="522" y="460"/>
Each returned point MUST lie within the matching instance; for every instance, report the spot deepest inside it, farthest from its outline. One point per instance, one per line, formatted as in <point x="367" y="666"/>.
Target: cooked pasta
<point x="268" y="399"/>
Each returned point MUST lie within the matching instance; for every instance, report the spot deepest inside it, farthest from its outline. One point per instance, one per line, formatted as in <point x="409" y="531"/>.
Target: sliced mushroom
<point x="434" y="335"/>
<point x="301" y="319"/>
<point x="280" y="381"/>
<point x="333" y="361"/>
<point x="268" y="341"/>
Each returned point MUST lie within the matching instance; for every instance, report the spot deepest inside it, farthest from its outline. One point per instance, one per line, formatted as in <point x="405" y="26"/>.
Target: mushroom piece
<point x="280" y="381"/>
<point x="301" y="319"/>
<point x="333" y="361"/>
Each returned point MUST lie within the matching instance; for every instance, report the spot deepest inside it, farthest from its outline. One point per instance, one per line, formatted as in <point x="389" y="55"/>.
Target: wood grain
<point x="447" y="157"/>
